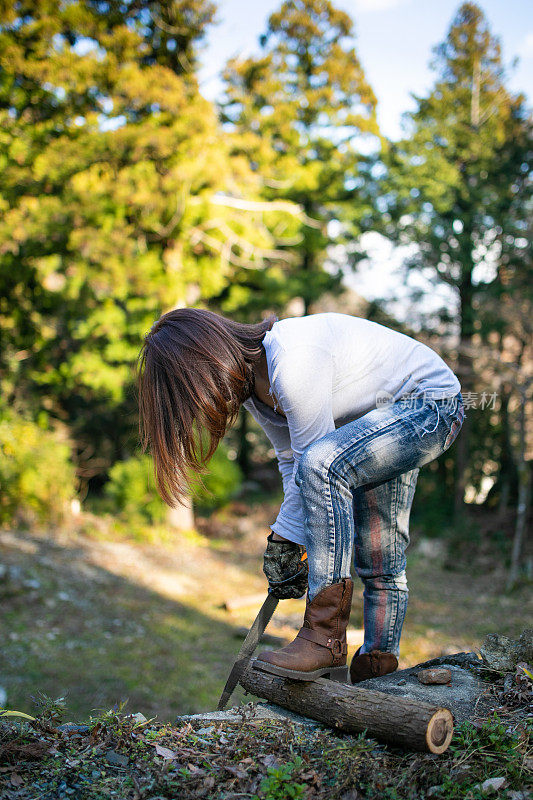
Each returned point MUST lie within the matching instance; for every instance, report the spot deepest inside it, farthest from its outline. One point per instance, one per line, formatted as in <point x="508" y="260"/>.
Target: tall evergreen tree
<point x="445" y="188"/>
<point x="113" y="171"/>
<point x="507" y="337"/>
<point x="298" y="111"/>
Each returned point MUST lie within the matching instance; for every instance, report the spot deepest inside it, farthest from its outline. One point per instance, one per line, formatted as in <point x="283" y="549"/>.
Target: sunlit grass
<point x="143" y="620"/>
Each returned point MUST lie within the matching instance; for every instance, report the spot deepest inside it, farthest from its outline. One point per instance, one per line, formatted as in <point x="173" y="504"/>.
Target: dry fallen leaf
<point x="491" y="785"/>
<point x="351" y="795"/>
<point x="235" y="771"/>
<point x="269" y="760"/>
<point x="165" y="752"/>
<point x="194" y="770"/>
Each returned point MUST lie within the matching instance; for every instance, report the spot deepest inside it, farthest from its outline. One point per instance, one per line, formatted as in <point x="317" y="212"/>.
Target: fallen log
<point x="390" y="719"/>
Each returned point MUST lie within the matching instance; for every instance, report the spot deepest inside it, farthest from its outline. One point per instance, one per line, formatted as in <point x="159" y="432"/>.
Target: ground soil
<point x="102" y="621"/>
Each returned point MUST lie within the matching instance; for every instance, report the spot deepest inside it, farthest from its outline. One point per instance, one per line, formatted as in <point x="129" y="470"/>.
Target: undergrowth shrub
<point x="220" y="483"/>
<point x="132" y="493"/>
<point x="37" y="477"/>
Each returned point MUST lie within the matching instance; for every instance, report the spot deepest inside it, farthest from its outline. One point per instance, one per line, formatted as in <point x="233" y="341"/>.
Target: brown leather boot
<point x="372" y="665"/>
<point x="320" y="646"/>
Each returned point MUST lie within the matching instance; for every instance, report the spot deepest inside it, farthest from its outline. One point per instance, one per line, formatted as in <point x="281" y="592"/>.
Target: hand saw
<point x="250" y="643"/>
<point x="248" y="646"/>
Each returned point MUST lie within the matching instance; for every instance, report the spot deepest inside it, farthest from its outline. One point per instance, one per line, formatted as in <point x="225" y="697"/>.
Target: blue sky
<point x="394" y="41"/>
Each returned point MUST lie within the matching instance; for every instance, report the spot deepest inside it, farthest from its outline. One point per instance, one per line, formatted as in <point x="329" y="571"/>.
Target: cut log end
<point x="439" y="731"/>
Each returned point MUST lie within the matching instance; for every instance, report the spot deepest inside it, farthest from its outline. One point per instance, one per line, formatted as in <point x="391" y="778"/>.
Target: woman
<point x="353" y="410"/>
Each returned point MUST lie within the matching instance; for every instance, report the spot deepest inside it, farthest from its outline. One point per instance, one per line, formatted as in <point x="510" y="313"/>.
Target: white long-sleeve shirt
<point x="326" y="370"/>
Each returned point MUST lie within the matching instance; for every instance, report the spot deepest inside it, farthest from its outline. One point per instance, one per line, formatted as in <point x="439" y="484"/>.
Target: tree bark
<point x="395" y="720"/>
<point x="506" y="456"/>
<point x="182" y="517"/>
<point x="524" y="492"/>
<point x="465" y="374"/>
<point x="243" y="453"/>
<point x="307" y="264"/>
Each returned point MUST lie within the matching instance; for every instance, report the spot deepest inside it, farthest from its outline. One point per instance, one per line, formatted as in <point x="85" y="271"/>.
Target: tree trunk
<point x="307" y="263"/>
<point x="182" y="517"/>
<point x="524" y="492"/>
<point x="507" y="466"/>
<point x="522" y="510"/>
<point x="307" y="266"/>
<point x="465" y="375"/>
<point x="396" y="720"/>
<point x="243" y="453"/>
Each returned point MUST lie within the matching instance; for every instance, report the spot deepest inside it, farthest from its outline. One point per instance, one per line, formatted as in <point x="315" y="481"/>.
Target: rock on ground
<point x="460" y="695"/>
<point x="252" y="711"/>
<point x="503" y="654"/>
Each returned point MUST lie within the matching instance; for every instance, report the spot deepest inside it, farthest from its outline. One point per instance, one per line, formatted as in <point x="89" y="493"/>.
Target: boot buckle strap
<point x="337" y="647"/>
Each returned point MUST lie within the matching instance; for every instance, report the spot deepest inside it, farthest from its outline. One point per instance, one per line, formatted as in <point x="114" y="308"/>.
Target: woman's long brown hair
<point x="195" y="369"/>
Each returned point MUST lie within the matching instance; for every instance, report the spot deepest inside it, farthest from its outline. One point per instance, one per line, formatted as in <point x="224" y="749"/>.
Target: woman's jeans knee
<point x="357" y="485"/>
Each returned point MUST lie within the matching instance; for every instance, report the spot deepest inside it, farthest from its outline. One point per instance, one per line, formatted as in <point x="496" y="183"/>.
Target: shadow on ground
<point x="102" y="621"/>
<point x="72" y="628"/>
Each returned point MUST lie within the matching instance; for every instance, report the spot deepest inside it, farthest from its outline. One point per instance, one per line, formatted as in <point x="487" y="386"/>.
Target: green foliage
<point x="296" y="111"/>
<point x="37" y="476"/>
<point x="122" y="194"/>
<point x="113" y="174"/>
<point x="49" y="710"/>
<point x="132" y="491"/>
<point x="489" y="750"/>
<point x="220" y="482"/>
<point x="17" y="714"/>
<point x="450" y="186"/>
<point x="458" y="187"/>
<point x="319" y="765"/>
<point x="432" y="510"/>
<point x="278" y="783"/>
<point x="447" y="191"/>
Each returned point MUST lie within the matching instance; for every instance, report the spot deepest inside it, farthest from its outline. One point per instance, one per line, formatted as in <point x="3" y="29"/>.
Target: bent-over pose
<point x="353" y="410"/>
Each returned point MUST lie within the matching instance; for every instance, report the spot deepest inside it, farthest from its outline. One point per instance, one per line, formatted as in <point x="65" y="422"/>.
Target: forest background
<point x="124" y="192"/>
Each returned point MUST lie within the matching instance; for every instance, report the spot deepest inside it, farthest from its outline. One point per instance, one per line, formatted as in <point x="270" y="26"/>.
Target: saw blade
<point x="248" y="646"/>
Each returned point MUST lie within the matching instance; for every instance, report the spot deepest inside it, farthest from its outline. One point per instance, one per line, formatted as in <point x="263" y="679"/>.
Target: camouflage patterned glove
<point x="285" y="569"/>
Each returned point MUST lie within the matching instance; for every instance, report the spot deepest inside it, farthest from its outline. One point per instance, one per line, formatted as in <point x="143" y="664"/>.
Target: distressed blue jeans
<point x="357" y="485"/>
